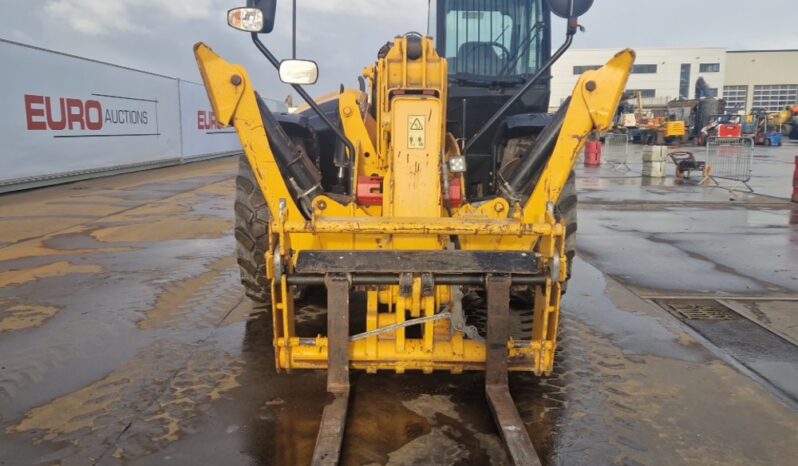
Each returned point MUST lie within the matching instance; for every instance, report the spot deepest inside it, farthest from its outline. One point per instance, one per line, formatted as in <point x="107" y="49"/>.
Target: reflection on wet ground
<point x="124" y="339"/>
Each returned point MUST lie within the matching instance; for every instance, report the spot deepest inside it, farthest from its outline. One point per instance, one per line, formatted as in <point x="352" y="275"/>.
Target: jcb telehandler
<point x="441" y="177"/>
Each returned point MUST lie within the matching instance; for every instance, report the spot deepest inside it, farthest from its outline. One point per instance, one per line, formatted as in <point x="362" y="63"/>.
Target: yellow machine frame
<point x="411" y="216"/>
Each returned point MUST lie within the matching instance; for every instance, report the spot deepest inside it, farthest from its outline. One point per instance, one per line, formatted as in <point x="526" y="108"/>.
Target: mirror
<point x="569" y="8"/>
<point x="269" y="10"/>
<point x="258" y="16"/>
<point x="299" y="72"/>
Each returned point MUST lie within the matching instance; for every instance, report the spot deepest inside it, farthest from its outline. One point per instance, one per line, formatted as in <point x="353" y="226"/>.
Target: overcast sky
<point x="343" y="36"/>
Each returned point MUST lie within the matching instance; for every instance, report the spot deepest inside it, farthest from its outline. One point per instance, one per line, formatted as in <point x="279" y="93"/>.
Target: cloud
<point x="98" y="17"/>
<point x="343" y="36"/>
<point x="89" y="16"/>
<point x="357" y="7"/>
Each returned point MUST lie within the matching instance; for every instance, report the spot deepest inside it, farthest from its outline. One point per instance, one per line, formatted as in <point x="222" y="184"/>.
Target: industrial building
<point x="746" y="79"/>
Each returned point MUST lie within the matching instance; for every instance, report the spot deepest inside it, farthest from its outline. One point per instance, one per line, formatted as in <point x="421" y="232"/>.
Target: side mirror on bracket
<point x="569" y="8"/>
<point x="299" y="72"/>
<point x="257" y="16"/>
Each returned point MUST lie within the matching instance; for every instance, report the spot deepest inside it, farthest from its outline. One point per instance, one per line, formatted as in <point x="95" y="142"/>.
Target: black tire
<point x="566" y="207"/>
<point x="521" y="316"/>
<point x="251" y="232"/>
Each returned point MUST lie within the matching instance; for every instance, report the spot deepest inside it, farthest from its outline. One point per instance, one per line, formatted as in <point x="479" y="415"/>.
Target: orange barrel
<point x="795" y="181"/>
<point x="593" y="153"/>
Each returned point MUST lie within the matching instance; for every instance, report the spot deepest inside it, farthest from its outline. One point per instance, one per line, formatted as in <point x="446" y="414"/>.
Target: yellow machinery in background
<point x="675" y="130"/>
<point x="405" y="233"/>
<point x="661" y="130"/>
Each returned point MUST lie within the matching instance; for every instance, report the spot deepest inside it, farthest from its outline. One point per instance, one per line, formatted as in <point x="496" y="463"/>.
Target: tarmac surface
<point x="125" y="337"/>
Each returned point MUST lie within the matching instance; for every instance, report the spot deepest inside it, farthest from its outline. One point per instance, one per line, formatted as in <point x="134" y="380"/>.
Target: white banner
<point x="66" y="115"/>
<point x="202" y="135"/>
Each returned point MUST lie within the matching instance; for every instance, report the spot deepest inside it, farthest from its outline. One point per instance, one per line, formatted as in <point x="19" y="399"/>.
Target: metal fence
<point x="730" y="159"/>
<point x="616" y="150"/>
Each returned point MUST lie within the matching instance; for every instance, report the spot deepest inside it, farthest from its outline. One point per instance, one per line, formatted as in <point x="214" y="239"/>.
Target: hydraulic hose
<point x="303" y="178"/>
<point x="516" y="181"/>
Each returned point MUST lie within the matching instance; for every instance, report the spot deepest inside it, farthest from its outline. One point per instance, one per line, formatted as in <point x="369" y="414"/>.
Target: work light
<point x="457" y="164"/>
<point x="245" y="19"/>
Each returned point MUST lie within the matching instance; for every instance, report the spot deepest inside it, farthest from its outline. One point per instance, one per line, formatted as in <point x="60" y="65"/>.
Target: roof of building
<point x="761" y="51"/>
<point x="603" y="49"/>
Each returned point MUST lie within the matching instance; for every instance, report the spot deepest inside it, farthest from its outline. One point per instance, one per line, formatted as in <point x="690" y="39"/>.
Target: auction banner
<point x="64" y="115"/>
<point x="202" y="134"/>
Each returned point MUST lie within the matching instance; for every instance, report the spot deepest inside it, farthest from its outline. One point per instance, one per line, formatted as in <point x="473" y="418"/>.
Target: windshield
<point x="493" y="39"/>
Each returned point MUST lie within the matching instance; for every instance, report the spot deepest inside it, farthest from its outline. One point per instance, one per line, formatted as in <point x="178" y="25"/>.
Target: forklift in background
<point x="791" y="127"/>
<point x="654" y="126"/>
<point x="698" y="116"/>
<point x="768" y="129"/>
<point x="722" y="126"/>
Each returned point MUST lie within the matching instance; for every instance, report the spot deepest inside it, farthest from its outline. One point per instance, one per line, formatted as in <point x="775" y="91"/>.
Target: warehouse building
<point x="761" y="79"/>
<point x="765" y="79"/>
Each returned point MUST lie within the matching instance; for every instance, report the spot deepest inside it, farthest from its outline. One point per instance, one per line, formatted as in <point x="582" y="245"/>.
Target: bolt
<point x="498" y="207"/>
<point x="347" y="111"/>
<point x="590" y="86"/>
<point x="321" y="205"/>
<point x="236" y="80"/>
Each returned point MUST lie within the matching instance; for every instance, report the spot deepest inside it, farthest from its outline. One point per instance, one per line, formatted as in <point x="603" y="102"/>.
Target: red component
<point x="795" y="181"/>
<point x="593" y="154"/>
<point x="730" y="130"/>
<point x="455" y="192"/>
<point x="369" y="190"/>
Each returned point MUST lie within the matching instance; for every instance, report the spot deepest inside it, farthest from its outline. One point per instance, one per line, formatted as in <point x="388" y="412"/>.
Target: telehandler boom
<point x="379" y="198"/>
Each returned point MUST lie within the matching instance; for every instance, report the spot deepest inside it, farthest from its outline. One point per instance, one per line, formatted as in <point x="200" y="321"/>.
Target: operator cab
<point x="492" y="47"/>
<point x="490" y="42"/>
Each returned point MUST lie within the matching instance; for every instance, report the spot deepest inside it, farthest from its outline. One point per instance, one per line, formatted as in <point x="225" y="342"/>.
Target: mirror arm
<point x="569" y="39"/>
<point x="306" y="97"/>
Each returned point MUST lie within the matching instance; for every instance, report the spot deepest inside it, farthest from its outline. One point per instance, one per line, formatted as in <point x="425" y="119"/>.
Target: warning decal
<point x="416" y="131"/>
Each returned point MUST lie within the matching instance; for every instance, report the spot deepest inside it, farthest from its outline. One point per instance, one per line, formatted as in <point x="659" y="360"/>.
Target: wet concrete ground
<point x="125" y="339"/>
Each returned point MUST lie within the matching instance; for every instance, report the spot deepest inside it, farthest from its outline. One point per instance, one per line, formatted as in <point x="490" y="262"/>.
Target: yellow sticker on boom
<point x="416" y="131"/>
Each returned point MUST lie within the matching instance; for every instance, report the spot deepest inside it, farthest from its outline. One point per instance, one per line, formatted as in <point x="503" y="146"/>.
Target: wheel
<point x="566" y="207"/>
<point x="521" y="312"/>
<point x="251" y="232"/>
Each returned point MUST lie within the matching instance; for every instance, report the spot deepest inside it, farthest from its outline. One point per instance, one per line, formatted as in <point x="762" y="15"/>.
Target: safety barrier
<point x="616" y="150"/>
<point x="795" y="181"/>
<point x="730" y="159"/>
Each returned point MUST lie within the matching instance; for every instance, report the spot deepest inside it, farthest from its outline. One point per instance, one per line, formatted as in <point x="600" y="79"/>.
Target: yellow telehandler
<point x="441" y="177"/>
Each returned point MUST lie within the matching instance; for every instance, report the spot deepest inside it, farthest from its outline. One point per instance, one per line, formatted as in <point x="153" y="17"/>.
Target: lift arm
<point x="233" y="100"/>
<point x="593" y="105"/>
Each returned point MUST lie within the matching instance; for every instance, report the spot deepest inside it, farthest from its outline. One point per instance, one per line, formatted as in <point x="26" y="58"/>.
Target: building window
<point x="736" y="97"/>
<point x="775" y="97"/>
<point x="684" y="81"/>
<point x="578" y="70"/>
<point x="712" y="92"/>
<point x="709" y="68"/>
<point x="645" y="93"/>
<point x="644" y="69"/>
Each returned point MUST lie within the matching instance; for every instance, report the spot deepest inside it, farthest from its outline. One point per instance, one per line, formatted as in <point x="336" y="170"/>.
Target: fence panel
<point x="616" y="150"/>
<point x="730" y="159"/>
